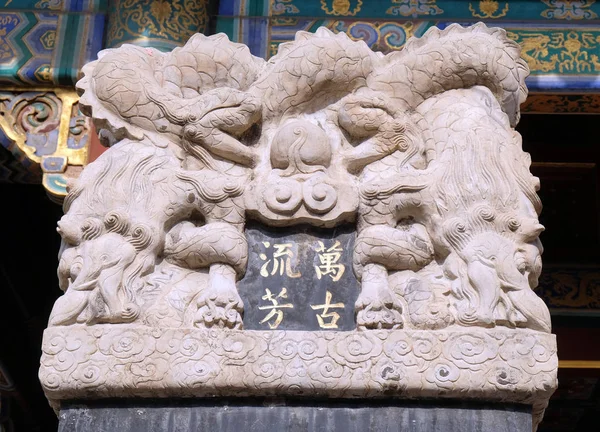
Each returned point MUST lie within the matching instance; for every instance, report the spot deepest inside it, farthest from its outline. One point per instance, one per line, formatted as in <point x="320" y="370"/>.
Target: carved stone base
<point x="103" y="361"/>
<point x="298" y="416"/>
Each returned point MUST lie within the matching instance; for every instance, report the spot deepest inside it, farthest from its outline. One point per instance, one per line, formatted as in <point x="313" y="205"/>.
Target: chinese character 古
<point x="326" y="314"/>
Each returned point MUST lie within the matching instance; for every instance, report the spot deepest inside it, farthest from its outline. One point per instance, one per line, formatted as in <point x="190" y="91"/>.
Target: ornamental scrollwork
<point x="414" y="8"/>
<point x="174" y="21"/>
<point x="488" y="9"/>
<point x="569" y="10"/>
<point x="563" y="51"/>
<point x="283" y="7"/>
<point x="341" y="7"/>
<point x="504" y="366"/>
<point x="46" y="132"/>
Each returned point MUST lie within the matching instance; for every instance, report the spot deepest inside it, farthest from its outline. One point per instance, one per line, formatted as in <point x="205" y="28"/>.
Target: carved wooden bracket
<point x="46" y="132"/>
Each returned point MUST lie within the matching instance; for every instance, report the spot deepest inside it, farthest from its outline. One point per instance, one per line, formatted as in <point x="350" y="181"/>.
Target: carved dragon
<point x="415" y="147"/>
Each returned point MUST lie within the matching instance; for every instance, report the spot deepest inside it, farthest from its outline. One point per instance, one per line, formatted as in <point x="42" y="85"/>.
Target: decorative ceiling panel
<point x="46" y="42"/>
<point x="560" y="39"/>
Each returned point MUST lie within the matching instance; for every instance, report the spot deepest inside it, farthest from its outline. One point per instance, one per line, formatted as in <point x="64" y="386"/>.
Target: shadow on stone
<point x="292" y="415"/>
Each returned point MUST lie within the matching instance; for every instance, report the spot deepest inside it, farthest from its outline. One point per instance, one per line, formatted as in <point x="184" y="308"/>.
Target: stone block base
<point x="292" y="415"/>
<point x="121" y="361"/>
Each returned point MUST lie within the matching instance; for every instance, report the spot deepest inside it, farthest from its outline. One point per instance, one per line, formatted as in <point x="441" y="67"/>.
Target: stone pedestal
<point x="259" y="415"/>
<point x="331" y="224"/>
<point x="108" y="361"/>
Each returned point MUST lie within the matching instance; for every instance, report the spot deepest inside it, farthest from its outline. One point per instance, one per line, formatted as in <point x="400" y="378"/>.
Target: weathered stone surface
<point x="500" y="365"/>
<point x="293" y="416"/>
<point x="412" y="156"/>
<point x="416" y="148"/>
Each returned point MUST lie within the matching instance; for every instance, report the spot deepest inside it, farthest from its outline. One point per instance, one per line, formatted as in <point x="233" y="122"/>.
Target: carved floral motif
<point x="488" y="9"/>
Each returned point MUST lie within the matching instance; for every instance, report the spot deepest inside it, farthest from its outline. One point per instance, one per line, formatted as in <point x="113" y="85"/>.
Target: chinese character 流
<point x="274" y="307"/>
<point x="280" y="262"/>
<point x="326" y="314"/>
<point x="329" y="259"/>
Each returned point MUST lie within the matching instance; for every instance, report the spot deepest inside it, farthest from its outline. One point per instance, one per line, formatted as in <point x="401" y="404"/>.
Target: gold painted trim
<point x="68" y="97"/>
<point x="35" y="89"/>
<point x="567" y="103"/>
<point x="579" y="364"/>
<point x="75" y="156"/>
<point x="19" y="140"/>
<point x="54" y="183"/>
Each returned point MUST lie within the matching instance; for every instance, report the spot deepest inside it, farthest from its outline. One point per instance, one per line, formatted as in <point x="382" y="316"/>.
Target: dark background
<point x="305" y="290"/>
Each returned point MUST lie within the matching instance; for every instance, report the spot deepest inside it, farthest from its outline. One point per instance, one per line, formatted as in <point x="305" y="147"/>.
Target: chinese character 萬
<point x="274" y="307"/>
<point x="326" y="314"/>
<point x="281" y="262"/>
<point x="329" y="261"/>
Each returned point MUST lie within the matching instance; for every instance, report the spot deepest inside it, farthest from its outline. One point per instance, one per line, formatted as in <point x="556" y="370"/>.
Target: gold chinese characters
<point x="329" y="259"/>
<point x="326" y="319"/>
<point x="282" y="258"/>
<point x="274" y="307"/>
<point x="281" y="261"/>
<point x="326" y="314"/>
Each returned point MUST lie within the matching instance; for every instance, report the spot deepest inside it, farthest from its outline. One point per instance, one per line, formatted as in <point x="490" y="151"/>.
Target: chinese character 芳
<point x="281" y="262"/>
<point x="326" y="314"/>
<point x="274" y="307"/>
<point x="329" y="259"/>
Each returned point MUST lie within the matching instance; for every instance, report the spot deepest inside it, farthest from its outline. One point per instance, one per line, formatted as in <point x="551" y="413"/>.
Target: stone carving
<point x="112" y="360"/>
<point x="416" y="148"/>
<point x="110" y="255"/>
